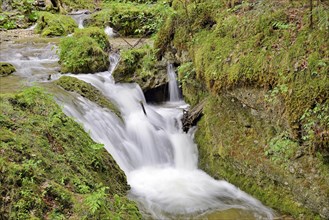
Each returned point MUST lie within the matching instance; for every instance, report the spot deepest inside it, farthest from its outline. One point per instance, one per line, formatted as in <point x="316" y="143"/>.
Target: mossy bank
<point x="262" y="69"/>
<point x="51" y="168"/>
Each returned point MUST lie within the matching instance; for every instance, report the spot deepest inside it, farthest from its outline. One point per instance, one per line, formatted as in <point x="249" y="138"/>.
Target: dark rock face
<point x="157" y="94"/>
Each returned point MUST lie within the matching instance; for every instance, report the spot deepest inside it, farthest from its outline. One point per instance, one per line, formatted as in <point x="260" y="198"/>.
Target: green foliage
<point x="55" y="24"/>
<point x="267" y="44"/>
<point x="281" y="149"/>
<point x="83" y="54"/>
<point x="78" y="4"/>
<point x="316" y="127"/>
<point x="97" y="200"/>
<point x="20" y="14"/>
<point x="130" y="19"/>
<point x="87" y="90"/>
<point x="134" y="1"/>
<point x="96" y="34"/>
<point x="49" y="164"/>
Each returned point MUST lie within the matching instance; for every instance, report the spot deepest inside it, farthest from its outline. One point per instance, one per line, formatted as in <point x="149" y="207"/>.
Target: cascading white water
<point x="80" y="16"/>
<point x="174" y="94"/>
<point x="159" y="159"/>
<point x="110" y="32"/>
<point x="33" y="61"/>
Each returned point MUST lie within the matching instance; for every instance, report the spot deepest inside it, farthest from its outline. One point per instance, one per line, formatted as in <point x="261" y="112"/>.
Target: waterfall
<point x="159" y="159"/>
<point x="174" y="94"/>
<point x="80" y="16"/>
<point x="110" y="32"/>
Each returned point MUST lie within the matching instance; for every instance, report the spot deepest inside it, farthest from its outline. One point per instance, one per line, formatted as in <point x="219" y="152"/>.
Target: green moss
<point x="78" y="4"/>
<point x="193" y="91"/>
<point x="55" y="24"/>
<point x="83" y="54"/>
<point x="18" y="14"/>
<point x="86" y="90"/>
<point x="256" y="163"/>
<point x="130" y="19"/>
<point x="6" y="69"/>
<point x="266" y="44"/>
<point x="49" y="165"/>
<point x="97" y="34"/>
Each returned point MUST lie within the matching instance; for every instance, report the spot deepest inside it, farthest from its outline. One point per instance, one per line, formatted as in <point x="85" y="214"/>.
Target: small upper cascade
<point x="174" y="93"/>
<point x="110" y="32"/>
<point x="114" y="60"/>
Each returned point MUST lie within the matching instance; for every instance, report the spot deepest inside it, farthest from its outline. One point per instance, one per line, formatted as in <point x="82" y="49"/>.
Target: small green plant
<point x="185" y="71"/>
<point x="275" y="92"/>
<point x="281" y="149"/>
<point x="97" y="200"/>
<point x="315" y="124"/>
<point x="280" y="25"/>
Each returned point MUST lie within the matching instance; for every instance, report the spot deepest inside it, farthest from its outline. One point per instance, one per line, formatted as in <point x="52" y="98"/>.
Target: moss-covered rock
<point x="129" y="19"/>
<point x="49" y="24"/>
<point x="266" y="162"/>
<point x="86" y="90"/>
<point x="96" y="34"/>
<point x="140" y="66"/>
<point x="85" y="52"/>
<point x="6" y="69"/>
<point x="51" y="168"/>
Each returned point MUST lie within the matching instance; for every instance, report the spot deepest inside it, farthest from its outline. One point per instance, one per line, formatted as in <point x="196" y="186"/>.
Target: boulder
<point x="6" y="69"/>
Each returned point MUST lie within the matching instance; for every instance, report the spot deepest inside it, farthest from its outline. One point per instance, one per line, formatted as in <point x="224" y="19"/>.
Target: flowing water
<point x="174" y="94"/>
<point x="80" y="16"/>
<point x="159" y="159"/>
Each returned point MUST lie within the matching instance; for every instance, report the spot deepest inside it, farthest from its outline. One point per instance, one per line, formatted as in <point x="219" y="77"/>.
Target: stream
<point x="159" y="159"/>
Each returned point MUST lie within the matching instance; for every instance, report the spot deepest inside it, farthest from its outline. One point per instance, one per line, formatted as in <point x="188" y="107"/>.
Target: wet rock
<point x="139" y="65"/>
<point x="6" y="69"/>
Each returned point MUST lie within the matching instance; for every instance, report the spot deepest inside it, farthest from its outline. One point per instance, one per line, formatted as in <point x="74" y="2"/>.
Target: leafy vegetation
<point x="267" y="44"/>
<point x="54" y="25"/>
<point x="96" y="34"/>
<point x="19" y="14"/>
<point x="51" y="168"/>
<point x="69" y="5"/>
<point x="85" y="52"/>
<point x="130" y="19"/>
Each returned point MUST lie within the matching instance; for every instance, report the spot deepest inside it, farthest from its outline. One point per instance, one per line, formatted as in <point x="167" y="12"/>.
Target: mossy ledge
<point x="51" y="168"/>
<point x="250" y="149"/>
<point x="262" y="67"/>
<point x="73" y="84"/>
